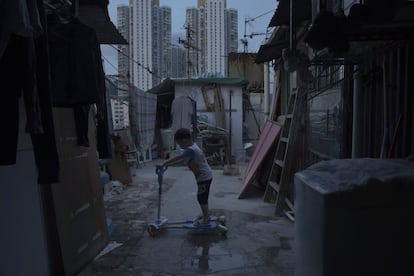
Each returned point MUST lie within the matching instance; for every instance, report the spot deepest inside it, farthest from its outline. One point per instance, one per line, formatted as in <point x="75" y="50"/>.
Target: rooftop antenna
<point x="249" y="21"/>
<point x="187" y="44"/>
<point x="244" y="40"/>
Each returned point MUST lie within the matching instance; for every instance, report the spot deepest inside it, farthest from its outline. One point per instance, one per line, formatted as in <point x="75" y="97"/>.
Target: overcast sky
<point x="257" y="12"/>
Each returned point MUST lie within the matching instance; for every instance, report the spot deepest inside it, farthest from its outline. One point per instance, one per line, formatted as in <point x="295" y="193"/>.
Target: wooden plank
<point x="280" y="163"/>
<point x="289" y="204"/>
<point x="290" y="215"/>
<point x="274" y="185"/>
<point x="284" y="139"/>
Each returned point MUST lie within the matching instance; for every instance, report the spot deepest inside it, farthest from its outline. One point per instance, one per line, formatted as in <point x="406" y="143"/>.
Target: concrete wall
<point x="23" y="245"/>
<point x="242" y="65"/>
<point x="353" y="217"/>
<point x="255" y="119"/>
<point x="194" y="91"/>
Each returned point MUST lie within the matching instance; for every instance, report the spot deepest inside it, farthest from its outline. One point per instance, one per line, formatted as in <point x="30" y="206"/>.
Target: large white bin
<point x="355" y="217"/>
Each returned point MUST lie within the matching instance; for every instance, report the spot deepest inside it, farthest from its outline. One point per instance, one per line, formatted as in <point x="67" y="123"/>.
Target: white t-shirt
<point x="197" y="163"/>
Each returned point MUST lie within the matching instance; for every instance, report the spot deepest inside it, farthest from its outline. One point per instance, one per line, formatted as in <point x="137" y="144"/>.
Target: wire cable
<point x="136" y="62"/>
<point x="113" y="66"/>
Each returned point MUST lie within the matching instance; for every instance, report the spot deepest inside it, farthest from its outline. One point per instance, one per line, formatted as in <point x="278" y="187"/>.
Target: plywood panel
<point x="267" y="138"/>
<point x="78" y="197"/>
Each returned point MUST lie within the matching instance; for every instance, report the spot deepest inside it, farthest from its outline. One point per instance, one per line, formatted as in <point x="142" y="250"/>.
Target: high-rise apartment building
<point x="119" y="116"/>
<point x="195" y="60"/>
<point x="161" y="43"/>
<point x="179" y="62"/>
<point x="232" y="37"/>
<point x="123" y="56"/>
<point x="119" y="100"/>
<point x="147" y="59"/>
<point x="213" y="35"/>
<point x="141" y="43"/>
<point x="149" y="37"/>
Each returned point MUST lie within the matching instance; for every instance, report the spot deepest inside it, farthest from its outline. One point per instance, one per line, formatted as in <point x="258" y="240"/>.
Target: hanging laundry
<point x="76" y="65"/>
<point x="24" y="71"/>
<point x="182" y="112"/>
<point x="19" y="17"/>
<point x="77" y="75"/>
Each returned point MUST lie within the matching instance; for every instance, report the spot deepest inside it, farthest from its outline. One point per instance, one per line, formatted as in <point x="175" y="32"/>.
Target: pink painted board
<point x="268" y="136"/>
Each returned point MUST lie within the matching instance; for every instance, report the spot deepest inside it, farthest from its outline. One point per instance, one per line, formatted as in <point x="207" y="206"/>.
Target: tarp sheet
<point x="143" y="110"/>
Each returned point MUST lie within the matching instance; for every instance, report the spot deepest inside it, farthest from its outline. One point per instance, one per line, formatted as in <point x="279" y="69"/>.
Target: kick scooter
<point x="215" y="223"/>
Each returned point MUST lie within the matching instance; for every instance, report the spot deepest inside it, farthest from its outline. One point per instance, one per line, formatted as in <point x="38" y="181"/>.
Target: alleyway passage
<point x="257" y="242"/>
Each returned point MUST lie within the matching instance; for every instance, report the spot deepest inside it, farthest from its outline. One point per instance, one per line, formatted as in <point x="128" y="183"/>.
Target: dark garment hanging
<point x="17" y="76"/>
<point x="164" y="115"/>
<point x="10" y="62"/>
<point x="45" y="150"/>
<point x="78" y="78"/>
<point x="82" y="124"/>
<point x="104" y="144"/>
<point x="24" y="68"/>
<point x="74" y="63"/>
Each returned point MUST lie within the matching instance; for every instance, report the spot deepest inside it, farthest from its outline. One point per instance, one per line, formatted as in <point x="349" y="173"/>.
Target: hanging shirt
<point x="19" y="17"/>
<point x="76" y="64"/>
<point x="24" y="67"/>
<point x="182" y="112"/>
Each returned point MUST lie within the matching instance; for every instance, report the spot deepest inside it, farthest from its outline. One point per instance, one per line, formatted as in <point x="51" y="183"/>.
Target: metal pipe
<point x="357" y="115"/>
<point x="384" y="143"/>
<point x="266" y="91"/>
<point x="230" y="125"/>
<point x="291" y="24"/>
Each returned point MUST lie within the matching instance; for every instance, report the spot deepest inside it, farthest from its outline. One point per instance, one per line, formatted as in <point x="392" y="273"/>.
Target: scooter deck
<point x="191" y="225"/>
<point x="215" y="224"/>
<point x="193" y="220"/>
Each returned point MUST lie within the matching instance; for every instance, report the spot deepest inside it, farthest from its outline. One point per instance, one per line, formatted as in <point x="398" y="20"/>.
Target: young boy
<point x="194" y="157"/>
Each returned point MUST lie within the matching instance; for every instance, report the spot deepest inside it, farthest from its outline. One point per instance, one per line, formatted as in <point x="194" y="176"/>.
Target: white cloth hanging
<point x="181" y="112"/>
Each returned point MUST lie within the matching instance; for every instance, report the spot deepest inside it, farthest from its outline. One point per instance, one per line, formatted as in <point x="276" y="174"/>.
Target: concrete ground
<point x="257" y="242"/>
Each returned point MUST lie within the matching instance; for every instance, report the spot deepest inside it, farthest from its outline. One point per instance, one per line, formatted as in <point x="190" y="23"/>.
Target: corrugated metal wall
<point x="387" y="82"/>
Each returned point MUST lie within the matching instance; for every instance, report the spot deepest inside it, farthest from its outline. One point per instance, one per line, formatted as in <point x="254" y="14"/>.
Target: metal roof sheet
<point x="97" y="18"/>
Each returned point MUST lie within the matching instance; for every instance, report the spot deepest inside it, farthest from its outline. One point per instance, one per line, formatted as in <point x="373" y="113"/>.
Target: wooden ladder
<point x="278" y="184"/>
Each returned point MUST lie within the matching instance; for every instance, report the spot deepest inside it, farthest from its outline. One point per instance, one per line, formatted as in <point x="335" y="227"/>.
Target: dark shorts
<point x="203" y="191"/>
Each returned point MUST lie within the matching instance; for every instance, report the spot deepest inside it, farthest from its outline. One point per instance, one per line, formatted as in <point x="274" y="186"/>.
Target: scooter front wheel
<point x="152" y="230"/>
<point x="222" y="229"/>
<point x="222" y="220"/>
